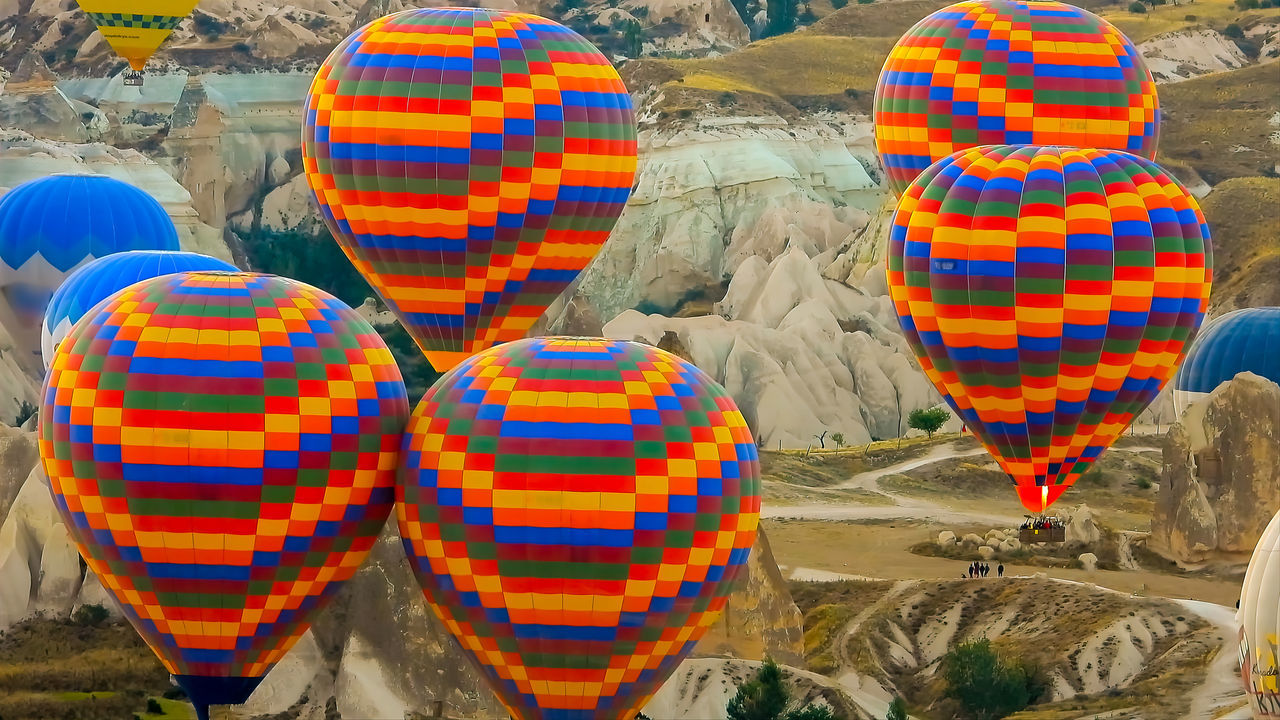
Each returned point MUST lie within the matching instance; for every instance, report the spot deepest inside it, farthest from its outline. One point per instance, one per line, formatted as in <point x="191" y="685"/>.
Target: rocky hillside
<point x="1096" y="650"/>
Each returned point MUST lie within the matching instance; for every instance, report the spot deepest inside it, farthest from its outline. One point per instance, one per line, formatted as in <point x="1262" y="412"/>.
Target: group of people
<point x="981" y="569"/>
<point x="1042" y="523"/>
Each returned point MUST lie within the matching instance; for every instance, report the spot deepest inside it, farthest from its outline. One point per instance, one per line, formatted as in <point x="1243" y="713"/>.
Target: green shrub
<point x="837" y="4"/>
<point x="986" y="685"/>
<point x="1233" y="31"/>
<point x="1137" y="7"/>
<point x="89" y="615"/>
<point x="154" y="707"/>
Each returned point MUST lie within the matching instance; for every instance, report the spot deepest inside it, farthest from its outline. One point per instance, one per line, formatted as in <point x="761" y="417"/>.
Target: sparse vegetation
<point x="928" y="421"/>
<point x="987" y="685"/>
<point x="1137" y="7"/>
<point x="897" y="710"/>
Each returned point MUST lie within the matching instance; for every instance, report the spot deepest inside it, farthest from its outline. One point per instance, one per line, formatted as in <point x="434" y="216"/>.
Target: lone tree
<point x="930" y="420"/>
<point x="838" y="439"/>
<point x="765" y="697"/>
<point x="987" y="686"/>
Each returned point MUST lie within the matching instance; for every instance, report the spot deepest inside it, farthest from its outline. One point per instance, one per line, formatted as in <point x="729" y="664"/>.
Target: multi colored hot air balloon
<point x="53" y="225"/>
<point x="577" y="510"/>
<point x="1049" y="294"/>
<point x="1008" y="72"/>
<point x="470" y="163"/>
<point x="222" y="448"/>
<point x="1241" y="341"/>
<point x="135" y="29"/>
<point x="1259" y="618"/>
<point x="95" y="281"/>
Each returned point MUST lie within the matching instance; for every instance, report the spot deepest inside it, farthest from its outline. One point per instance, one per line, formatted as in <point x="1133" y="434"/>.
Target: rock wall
<point x="1221" y="482"/>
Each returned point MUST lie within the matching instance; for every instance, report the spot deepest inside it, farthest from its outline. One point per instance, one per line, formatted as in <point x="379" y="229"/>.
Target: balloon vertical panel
<point x="1049" y="294"/>
<point x="222" y="448"/>
<point x="470" y="163"/>
<point x="577" y="511"/>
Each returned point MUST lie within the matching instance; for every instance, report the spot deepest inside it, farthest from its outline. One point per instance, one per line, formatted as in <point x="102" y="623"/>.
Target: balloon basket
<point x="133" y="79"/>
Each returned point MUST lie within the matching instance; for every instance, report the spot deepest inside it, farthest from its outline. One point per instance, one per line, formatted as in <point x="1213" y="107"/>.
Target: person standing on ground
<point x="1000" y="570"/>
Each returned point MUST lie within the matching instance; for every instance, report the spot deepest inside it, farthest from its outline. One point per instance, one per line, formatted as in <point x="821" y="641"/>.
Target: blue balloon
<point x="96" y="281"/>
<point x="51" y="226"/>
<point x="1241" y="341"/>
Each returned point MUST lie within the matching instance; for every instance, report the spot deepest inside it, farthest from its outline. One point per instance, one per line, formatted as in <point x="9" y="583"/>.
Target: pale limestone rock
<point x="278" y="171"/>
<point x="1221" y="482"/>
<point x="946" y="539"/>
<point x="986" y="552"/>
<point x="706" y="197"/>
<point x="1173" y="57"/>
<point x="291" y="206"/>
<point x="996" y="535"/>
<point x="18" y="454"/>
<point x="31" y="523"/>
<point x="972" y="540"/>
<point x="1088" y="561"/>
<point x="60" y="573"/>
<point x="1081" y="529"/>
<point x="285" y="685"/>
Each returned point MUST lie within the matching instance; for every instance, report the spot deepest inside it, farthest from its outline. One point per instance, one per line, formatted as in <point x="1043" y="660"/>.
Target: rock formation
<point x="1221" y="482"/>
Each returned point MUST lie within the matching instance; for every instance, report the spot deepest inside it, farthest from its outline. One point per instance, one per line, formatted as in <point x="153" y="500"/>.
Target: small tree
<point x="1137" y="7"/>
<point x="89" y="615"/>
<point x="1233" y="31"/>
<point x="838" y="439"/>
<point x="985" y="684"/>
<point x="930" y="421"/>
<point x="822" y="439"/>
<point x="765" y="697"/>
<point x="897" y="710"/>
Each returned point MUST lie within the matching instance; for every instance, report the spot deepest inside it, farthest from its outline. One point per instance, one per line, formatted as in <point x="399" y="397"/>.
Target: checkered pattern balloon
<point x="1049" y="294"/>
<point x="996" y="72"/>
<point x="222" y="447"/>
<point x="470" y="163"/>
<point x="577" y="511"/>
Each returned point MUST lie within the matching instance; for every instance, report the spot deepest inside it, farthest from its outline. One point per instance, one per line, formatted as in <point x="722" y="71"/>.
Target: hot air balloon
<point x="1049" y="294"/>
<point x="1241" y="341"/>
<point x="135" y="29"/>
<point x="1259" y="618"/>
<point x="95" y="281"/>
<point x="53" y="225"/>
<point x="1005" y="72"/>
<point x="470" y="163"/>
<point x="222" y="448"/>
<point x="577" y="510"/>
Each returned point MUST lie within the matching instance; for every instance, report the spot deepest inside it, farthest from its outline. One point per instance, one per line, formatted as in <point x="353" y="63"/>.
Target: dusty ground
<point x="880" y="550"/>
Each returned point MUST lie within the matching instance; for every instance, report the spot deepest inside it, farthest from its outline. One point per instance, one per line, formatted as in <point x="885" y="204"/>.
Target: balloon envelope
<point x="1241" y="341"/>
<point x="577" y="511"/>
<point x="1005" y="72"/>
<point x="1259" y="618"/>
<point x="1049" y="294"/>
<point x="95" y="281"/>
<point x="135" y="29"/>
<point x="470" y="163"/>
<point x="222" y="448"/>
<point x="51" y="226"/>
